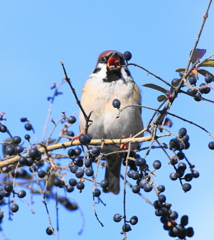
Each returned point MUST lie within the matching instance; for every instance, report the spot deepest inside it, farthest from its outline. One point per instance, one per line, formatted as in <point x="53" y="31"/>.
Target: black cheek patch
<point x="96" y="70"/>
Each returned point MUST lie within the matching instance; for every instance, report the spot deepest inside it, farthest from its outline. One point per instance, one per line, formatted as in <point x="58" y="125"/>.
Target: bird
<point x="110" y="80"/>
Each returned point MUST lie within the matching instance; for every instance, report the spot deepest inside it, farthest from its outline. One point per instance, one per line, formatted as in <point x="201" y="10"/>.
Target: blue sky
<point x="37" y="35"/>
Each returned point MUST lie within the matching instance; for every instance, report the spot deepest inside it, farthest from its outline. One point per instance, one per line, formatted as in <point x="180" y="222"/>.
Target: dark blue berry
<point x="14" y="207"/>
<point x="72" y="182"/>
<point x="16" y="139"/>
<point x="157" y="164"/>
<point x="41" y="173"/>
<point x="49" y="230"/>
<point x="126" y="227"/>
<point x="28" y="126"/>
<point x="3" y="128"/>
<point x="134" y="220"/>
<point x="186" y="187"/>
<point x="182" y="132"/>
<point x="21" y="194"/>
<point x="71" y="119"/>
<point x="8" y="187"/>
<point x="127" y="55"/>
<point x="192" y="80"/>
<point x="88" y="162"/>
<point x="96" y="192"/>
<point x="104" y="183"/>
<point x="80" y="185"/>
<point x="161" y="188"/>
<point x="135" y="189"/>
<point x="10" y="150"/>
<point x="73" y="168"/>
<point x="140" y="162"/>
<point x="84" y="138"/>
<point x="147" y="187"/>
<point x="117" y="217"/>
<point x="79" y="172"/>
<point x="208" y="78"/>
<point x="27" y="137"/>
<point x="89" y="172"/>
<point x="211" y="145"/>
<point x="95" y="151"/>
<point x="116" y="103"/>
<point x="22" y="160"/>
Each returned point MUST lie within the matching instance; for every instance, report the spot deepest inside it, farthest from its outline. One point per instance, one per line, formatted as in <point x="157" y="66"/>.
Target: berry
<point x="203" y="88"/>
<point x="8" y="187"/>
<point x="79" y="172"/>
<point x="175" y="81"/>
<point x="161" y="211"/>
<point x="79" y="162"/>
<point x="21" y="194"/>
<point x="161" y="188"/>
<point x="70" y="133"/>
<point x="78" y="151"/>
<point x="157" y="164"/>
<point x="197" y="97"/>
<point x="116" y="103"/>
<point x="16" y="139"/>
<point x="10" y="150"/>
<point x="80" y="185"/>
<point x="211" y="145"/>
<point x="19" y="149"/>
<point x="162" y="198"/>
<point x="182" y="132"/>
<point x="88" y="162"/>
<point x="22" y="160"/>
<point x="173" y="215"/>
<point x="192" y="80"/>
<point x="177" y="229"/>
<point x="190" y="232"/>
<point x="89" y="172"/>
<point x="95" y="151"/>
<point x="71" y="152"/>
<point x="73" y="168"/>
<point x="3" y="128"/>
<point x="179" y="173"/>
<point x="127" y="55"/>
<point x="147" y="187"/>
<point x="84" y="138"/>
<point x="186" y="187"/>
<point x="174" y="143"/>
<point x="195" y="174"/>
<point x="134" y="220"/>
<point x="72" y="182"/>
<point x="104" y="183"/>
<point x="173" y="176"/>
<point x="180" y="154"/>
<point x="58" y="182"/>
<point x="29" y="162"/>
<point x="23" y="119"/>
<point x="192" y="91"/>
<point x="126" y="227"/>
<point x="184" y="220"/>
<point x="14" y="207"/>
<point x="28" y="126"/>
<point x="140" y="162"/>
<point x="49" y="230"/>
<point x="97" y="192"/>
<point x="27" y="137"/>
<point x="117" y="217"/>
<point x="135" y="189"/>
<point x="41" y="173"/>
<point x="71" y="119"/>
<point x="188" y="177"/>
<point x="33" y="152"/>
<point x="182" y="166"/>
<point x="69" y="188"/>
<point x="208" y="78"/>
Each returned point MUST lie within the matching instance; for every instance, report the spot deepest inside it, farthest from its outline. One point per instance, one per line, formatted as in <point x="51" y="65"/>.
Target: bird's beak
<point x="114" y="63"/>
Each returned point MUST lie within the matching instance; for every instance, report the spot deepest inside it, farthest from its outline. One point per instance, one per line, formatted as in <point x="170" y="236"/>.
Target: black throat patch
<point x="112" y="76"/>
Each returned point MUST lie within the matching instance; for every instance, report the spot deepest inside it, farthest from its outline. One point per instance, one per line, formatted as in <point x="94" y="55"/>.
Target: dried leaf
<point x="156" y="87"/>
<point x="204" y="72"/>
<point x="161" y="98"/>
<point x="197" y="54"/>
<point x="67" y="204"/>
<point x="180" y="70"/>
<point x="207" y="63"/>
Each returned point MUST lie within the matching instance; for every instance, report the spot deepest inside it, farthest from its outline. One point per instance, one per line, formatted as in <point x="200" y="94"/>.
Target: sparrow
<point x="111" y="79"/>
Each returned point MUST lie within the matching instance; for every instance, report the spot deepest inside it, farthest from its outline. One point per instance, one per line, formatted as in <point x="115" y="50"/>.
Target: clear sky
<point x="37" y="35"/>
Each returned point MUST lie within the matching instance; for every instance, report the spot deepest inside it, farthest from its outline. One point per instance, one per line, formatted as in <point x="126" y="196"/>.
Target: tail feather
<point x="113" y="165"/>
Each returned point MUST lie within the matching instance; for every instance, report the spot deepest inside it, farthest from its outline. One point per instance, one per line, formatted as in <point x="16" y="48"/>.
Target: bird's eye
<point x="103" y="59"/>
